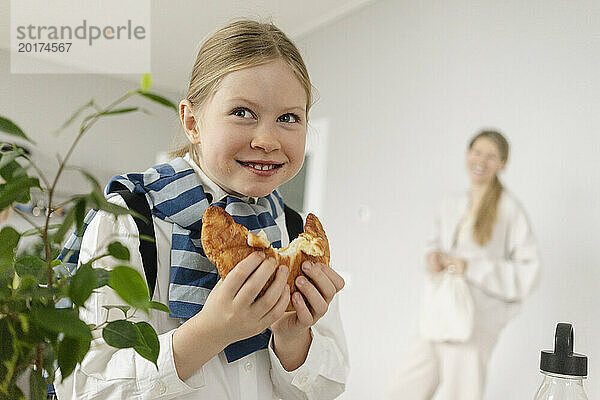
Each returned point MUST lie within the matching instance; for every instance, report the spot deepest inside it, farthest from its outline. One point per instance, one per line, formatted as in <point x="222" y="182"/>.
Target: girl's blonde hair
<point x="240" y="44"/>
<point x="488" y="208"/>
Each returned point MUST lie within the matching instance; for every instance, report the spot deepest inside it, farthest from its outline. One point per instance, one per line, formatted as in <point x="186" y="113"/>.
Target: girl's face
<point x="484" y="161"/>
<point x="252" y="131"/>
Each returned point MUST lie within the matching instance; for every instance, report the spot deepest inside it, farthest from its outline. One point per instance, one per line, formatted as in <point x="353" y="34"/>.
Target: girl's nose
<point x="266" y="139"/>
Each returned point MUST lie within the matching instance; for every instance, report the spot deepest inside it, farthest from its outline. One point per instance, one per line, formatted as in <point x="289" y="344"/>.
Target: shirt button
<point x="249" y="366"/>
<point x="303" y="380"/>
<point x="160" y="387"/>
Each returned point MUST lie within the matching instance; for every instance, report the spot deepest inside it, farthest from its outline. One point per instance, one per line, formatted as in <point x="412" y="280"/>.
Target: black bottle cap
<point x="562" y="360"/>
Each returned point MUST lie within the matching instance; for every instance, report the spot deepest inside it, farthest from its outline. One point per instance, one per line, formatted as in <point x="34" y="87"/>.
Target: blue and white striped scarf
<point x="175" y="194"/>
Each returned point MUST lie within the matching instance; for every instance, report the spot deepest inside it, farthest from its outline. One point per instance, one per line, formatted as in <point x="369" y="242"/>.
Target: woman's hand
<point x="291" y="332"/>
<point x="455" y="265"/>
<point x="233" y="311"/>
<point x="434" y="261"/>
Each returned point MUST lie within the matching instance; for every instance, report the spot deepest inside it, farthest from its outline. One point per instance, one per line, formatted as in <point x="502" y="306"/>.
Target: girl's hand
<point x="233" y="306"/>
<point x="434" y="261"/>
<point x="233" y="311"/>
<point x="455" y="265"/>
<point x="293" y="327"/>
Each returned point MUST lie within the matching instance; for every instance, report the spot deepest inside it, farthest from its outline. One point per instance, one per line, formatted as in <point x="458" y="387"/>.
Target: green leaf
<point x="121" y="334"/>
<point x="10" y="156"/>
<point x="70" y="352"/>
<point x="82" y="284"/>
<point x="74" y="116"/>
<point x="7" y="340"/>
<point x="146" y="82"/>
<point x="149" y="346"/>
<point x="93" y="181"/>
<point x="61" y="321"/>
<point x="8" y="352"/>
<point x="68" y="220"/>
<point x="14" y="393"/>
<point x="118" y="251"/>
<point x="37" y="385"/>
<point x="13" y="170"/>
<point x="130" y="286"/>
<point x="9" y="240"/>
<point x="159" y="306"/>
<point x="39" y="230"/>
<point x="31" y="265"/>
<point x="80" y="213"/>
<point x="147" y="238"/>
<point x="102" y="277"/>
<point x="6" y="125"/>
<point x="27" y="286"/>
<point x="24" y="322"/>
<point x="158" y="99"/>
<point x="124" y="309"/>
<point x="118" y="111"/>
<point x="17" y="190"/>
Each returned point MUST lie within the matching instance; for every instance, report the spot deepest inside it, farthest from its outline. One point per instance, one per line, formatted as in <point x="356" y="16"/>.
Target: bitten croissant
<point x="226" y="243"/>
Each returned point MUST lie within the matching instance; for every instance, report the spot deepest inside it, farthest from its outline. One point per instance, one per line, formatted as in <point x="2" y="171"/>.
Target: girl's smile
<point x="262" y="168"/>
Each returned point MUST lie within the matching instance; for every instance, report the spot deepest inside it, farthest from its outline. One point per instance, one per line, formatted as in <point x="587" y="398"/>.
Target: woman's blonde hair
<point x="488" y="208"/>
<point x="240" y="44"/>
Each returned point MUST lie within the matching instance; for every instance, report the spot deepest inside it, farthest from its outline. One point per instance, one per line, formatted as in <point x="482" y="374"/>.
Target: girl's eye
<point x="242" y="113"/>
<point x="289" y="118"/>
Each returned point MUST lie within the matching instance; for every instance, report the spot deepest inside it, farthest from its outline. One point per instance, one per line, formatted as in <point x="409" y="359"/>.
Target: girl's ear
<point x="188" y="121"/>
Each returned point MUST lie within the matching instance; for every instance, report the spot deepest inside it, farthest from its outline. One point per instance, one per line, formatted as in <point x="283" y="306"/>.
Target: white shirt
<point x="501" y="273"/>
<point x="110" y="373"/>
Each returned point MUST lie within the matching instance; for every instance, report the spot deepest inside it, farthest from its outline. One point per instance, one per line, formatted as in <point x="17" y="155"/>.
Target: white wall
<point x="404" y="84"/>
<point x="40" y="103"/>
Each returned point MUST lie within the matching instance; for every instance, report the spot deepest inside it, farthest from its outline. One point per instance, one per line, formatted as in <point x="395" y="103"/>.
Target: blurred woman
<point x="485" y="236"/>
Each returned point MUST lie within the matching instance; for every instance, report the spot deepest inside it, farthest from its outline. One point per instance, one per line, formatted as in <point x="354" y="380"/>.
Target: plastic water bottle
<point x="563" y="370"/>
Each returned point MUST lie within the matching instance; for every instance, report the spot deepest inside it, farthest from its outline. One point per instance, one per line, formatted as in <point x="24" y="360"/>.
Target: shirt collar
<point x="211" y="187"/>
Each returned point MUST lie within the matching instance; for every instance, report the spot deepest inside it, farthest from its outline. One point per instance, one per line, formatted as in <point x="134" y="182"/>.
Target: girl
<point x="484" y="235"/>
<point x="245" y="117"/>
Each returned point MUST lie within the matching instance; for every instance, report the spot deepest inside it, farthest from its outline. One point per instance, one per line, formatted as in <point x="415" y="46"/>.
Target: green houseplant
<point x="36" y="337"/>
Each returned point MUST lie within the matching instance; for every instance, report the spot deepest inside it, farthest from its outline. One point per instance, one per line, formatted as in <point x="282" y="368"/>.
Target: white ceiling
<point x="179" y="26"/>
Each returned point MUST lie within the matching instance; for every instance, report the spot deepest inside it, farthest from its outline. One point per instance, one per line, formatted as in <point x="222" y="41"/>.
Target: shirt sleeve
<point x="323" y="374"/>
<point x="108" y="372"/>
<point x="513" y="277"/>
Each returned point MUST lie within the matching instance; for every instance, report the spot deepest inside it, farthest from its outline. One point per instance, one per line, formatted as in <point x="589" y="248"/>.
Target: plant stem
<point x="39" y="360"/>
<point x="82" y="130"/>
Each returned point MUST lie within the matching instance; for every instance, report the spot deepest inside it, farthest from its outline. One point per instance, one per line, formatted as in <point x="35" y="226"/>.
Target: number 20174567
<point x="38" y="47"/>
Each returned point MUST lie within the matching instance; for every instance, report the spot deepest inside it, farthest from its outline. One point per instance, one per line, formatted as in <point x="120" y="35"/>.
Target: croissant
<point x="226" y="243"/>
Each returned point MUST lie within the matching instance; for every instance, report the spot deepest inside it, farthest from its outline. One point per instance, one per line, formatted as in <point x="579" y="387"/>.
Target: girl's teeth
<point x="262" y="167"/>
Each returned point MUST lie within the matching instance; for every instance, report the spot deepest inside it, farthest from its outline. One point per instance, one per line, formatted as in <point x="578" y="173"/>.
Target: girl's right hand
<point x="233" y="308"/>
<point x="232" y="312"/>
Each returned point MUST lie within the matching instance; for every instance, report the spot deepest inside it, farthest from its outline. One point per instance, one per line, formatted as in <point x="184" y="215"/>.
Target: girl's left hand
<point x="319" y="293"/>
